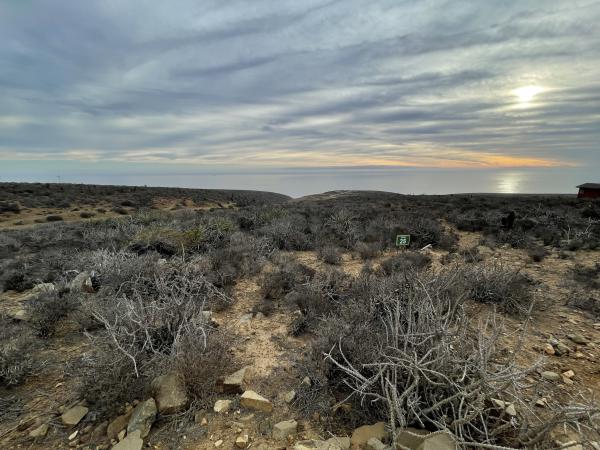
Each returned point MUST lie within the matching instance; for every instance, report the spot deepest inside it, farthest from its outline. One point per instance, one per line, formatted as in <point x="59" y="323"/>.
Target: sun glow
<point x="526" y="93"/>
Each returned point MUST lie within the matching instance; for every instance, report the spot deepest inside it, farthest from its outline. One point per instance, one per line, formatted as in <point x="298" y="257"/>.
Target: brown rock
<point x="361" y="435"/>
<point x="252" y="400"/>
<point x="120" y="423"/>
<point x="169" y="393"/>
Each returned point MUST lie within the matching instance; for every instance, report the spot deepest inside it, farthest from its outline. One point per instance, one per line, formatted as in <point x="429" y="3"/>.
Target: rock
<point x="20" y="315"/>
<point x="73" y="435"/>
<point x="311" y="444"/>
<point x="578" y="339"/>
<point x="245" y="318"/>
<point x="222" y="406"/>
<point x="334" y="443"/>
<point x="338" y="443"/>
<point x="142" y="418"/>
<point x="121" y="435"/>
<point x="438" y="441"/>
<point x="508" y="408"/>
<point x="73" y="416"/>
<point x="242" y="441"/>
<point x="411" y="437"/>
<point x="289" y="396"/>
<point x="422" y="440"/>
<point x="376" y="444"/>
<point x="550" y="376"/>
<point x="548" y="349"/>
<point x="133" y="441"/>
<point x="306" y="381"/>
<point x="82" y="283"/>
<point x="39" y="431"/>
<point x="99" y="432"/>
<point x="120" y="423"/>
<point x="219" y="443"/>
<point x="561" y="349"/>
<point x="252" y="400"/>
<point x="284" y="429"/>
<point x="233" y="384"/>
<point x="361" y="435"/>
<point x="541" y="402"/>
<point x="169" y="393"/>
<point x="569" y="374"/>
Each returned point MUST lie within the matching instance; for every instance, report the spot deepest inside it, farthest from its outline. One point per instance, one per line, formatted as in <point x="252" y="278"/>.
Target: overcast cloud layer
<point x="308" y="83"/>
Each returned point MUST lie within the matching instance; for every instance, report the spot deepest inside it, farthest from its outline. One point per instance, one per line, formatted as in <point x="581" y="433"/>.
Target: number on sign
<point x="402" y="240"/>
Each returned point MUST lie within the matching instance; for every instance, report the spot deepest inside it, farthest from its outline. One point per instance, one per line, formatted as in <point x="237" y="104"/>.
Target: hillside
<point x="298" y="324"/>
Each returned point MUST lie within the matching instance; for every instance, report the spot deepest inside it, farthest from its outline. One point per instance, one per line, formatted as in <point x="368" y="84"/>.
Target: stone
<point x="73" y="416"/>
<point x="252" y="400"/>
<point x="222" y="406"/>
<point x="438" y="441"/>
<point x="550" y="376"/>
<point x="338" y="443"/>
<point x="361" y="435"/>
<point x="306" y="381"/>
<point x="142" y="418"/>
<point x="568" y="374"/>
<point x="411" y="437"/>
<point x="561" y="349"/>
<point x="376" y="444"/>
<point x="169" y="393"/>
<point x="120" y="423"/>
<point x="121" y="435"/>
<point x="578" y="339"/>
<point x="233" y="384"/>
<point x="289" y="396"/>
<point x="73" y="435"/>
<point x="549" y="349"/>
<point x="541" y="402"/>
<point x="219" y="443"/>
<point x="284" y="429"/>
<point x="132" y="441"/>
<point x="82" y="283"/>
<point x="334" y="443"/>
<point x="242" y="441"/>
<point x="40" y="431"/>
<point x="423" y="440"/>
<point x="20" y="315"/>
<point x="99" y="432"/>
<point x="508" y="408"/>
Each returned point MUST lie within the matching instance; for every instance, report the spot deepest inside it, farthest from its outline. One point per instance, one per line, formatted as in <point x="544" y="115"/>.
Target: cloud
<point x="287" y="83"/>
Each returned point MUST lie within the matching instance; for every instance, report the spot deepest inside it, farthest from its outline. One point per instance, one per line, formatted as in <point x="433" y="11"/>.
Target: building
<point x="589" y="190"/>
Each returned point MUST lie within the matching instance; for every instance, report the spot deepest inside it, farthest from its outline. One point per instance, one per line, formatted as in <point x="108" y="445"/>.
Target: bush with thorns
<point x="154" y="322"/>
<point x="406" y="352"/>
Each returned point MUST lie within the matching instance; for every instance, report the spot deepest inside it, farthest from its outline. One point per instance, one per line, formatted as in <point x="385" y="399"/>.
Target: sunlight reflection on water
<point x="510" y="182"/>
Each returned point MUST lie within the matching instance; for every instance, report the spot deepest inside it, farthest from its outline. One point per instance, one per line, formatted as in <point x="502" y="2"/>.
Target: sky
<point x="97" y="88"/>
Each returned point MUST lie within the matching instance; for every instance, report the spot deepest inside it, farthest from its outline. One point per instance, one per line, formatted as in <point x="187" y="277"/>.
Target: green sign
<point x="402" y="240"/>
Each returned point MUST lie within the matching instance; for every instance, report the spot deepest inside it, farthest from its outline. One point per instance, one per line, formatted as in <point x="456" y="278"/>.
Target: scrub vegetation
<point x="452" y="333"/>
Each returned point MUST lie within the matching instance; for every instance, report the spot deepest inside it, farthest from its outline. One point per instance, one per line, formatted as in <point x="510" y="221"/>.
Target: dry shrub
<point x="330" y="255"/>
<point x="54" y="218"/>
<point x="154" y="323"/>
<point x="409" y="355"/>
<point x="201" y="362"/>
<point x="368" y="250"/>
<point x="509" y="290"/>
<point x="282" y="280"/>
<point x="585" y="301"/>
<point x="404" y="261"/>
<point x="16" y="361"/>
<point x="48" y="309"/>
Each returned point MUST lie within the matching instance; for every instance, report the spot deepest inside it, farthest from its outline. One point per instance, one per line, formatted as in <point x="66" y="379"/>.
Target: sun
<point x="526" y="93"/>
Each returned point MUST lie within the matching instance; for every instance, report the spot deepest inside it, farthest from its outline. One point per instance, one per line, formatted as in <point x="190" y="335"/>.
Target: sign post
<point x="403" y="240"/>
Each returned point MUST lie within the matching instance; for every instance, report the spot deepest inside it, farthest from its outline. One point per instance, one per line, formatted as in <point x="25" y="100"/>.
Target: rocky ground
<point x="254" y="407"/>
